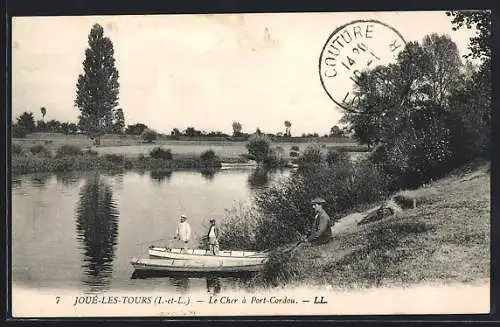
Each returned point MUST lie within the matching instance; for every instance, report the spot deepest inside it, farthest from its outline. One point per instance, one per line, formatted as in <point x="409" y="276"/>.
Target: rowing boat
<point x="196" y="265"/>
<point x="202" y="254"/>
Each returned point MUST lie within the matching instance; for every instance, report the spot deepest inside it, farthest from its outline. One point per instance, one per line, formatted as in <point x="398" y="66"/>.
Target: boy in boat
<point x="183" y="232"/>
<point x="213" y="242"/>
<point x="321" y="228"/>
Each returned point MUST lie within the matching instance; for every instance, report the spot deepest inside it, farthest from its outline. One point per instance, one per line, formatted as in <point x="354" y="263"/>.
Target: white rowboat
<point x="202" y="254"/>
<point x="172" y="265"/>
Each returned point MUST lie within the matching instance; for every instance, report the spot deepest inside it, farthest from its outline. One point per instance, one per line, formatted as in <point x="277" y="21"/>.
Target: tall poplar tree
<point x="98" y="87"/>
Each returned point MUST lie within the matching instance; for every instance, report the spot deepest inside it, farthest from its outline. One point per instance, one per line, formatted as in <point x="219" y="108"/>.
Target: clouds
<point x="204" y="71"/>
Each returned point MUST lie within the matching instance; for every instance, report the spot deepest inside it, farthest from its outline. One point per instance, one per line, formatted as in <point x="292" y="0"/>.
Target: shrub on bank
<point x="68" y="150"/>
<point x="274" y="159"/>
<point x="333" y="156"/>
<point x="39" y="149"/>
<point x="238" y="228"/>
<point x="258" y="147"/>
<point x="311" y="156"/>
<point x="286" y="205"/>
<point x="208" y="159"/>
<point x="160" y="153"/>
<point x="16" y="149"/>
<point x="148" y="135"/>
<point x="19" y="131"/>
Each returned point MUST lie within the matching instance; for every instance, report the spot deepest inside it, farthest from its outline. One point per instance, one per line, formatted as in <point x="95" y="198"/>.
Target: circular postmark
<point x="352" y="48"/>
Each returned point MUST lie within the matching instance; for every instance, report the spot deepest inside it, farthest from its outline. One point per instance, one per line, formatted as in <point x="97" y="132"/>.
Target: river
<point x="79" y="230"/>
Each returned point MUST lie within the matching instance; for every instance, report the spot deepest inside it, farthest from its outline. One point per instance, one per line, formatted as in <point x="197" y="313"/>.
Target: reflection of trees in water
<point x="97" y="230"/>
<point x="40" y="179"/>
<point x="16" y="182"/>
<point x="117" y="178"/>
<point x="213" y="285"/>
<point x="160" y="175"/>
<point x="258" y="178"/>
<point x="68" y="178"/>
<point x="208" y="173"/>
<point x="181" y="284"/>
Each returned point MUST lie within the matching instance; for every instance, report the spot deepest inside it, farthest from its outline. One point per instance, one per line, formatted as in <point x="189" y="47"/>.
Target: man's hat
<point x="212" y="220"/>
<point x="184" y="216"/>
<point x="318" y="201"/>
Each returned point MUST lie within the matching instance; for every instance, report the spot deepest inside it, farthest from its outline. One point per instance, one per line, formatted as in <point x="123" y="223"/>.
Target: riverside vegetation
<point x="431" y="150"/>
<point x="72" y="158"/>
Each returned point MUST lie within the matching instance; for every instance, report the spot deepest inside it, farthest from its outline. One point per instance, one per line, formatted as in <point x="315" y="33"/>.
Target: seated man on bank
<point x="321" y="227"/>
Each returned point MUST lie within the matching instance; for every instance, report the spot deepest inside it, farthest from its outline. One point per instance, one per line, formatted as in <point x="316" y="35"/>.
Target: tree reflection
<point x="181" y="284"/>
<point x="67" y="178"/>
<point x="213" y="285"/>
<point x="40" y="179"/>
<point x="208" y="173"/>
<point x="97" y="230"/>
<point x="258" y="178"/>
<point x="160" y="175"/>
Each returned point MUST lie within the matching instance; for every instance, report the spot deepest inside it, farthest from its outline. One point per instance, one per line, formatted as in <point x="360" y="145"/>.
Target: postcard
<point x="290" y="164"/>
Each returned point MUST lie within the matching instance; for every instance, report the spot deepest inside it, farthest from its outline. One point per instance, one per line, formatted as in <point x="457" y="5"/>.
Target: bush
<point x="19" y="132"/>
<point x="160" y="153"/>
<point x="333" y="156"/>
<point x="17" y="149"/>
<point x="208" y="155"/>
<point x="311" y="155"/>
<point x="39" y="149"/>
<point x="69" y="150"/>
<point x="258" y="147"/>
<point x="286" y="205"/>
<point x="237" y="229"/>
<point x="148" y="135"/>
<point x="91" y="153"/>
<point x="274" y="159"/>
<point x="209" y="159"/>
<point x="295" y="148"/>
<point x="114" y="158"/>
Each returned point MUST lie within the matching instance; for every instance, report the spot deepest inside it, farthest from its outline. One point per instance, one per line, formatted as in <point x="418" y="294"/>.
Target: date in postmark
<point x="351" y="49"/>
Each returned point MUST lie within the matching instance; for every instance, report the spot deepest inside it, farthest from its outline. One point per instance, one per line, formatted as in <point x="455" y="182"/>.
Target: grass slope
<point x="445" y="239"/>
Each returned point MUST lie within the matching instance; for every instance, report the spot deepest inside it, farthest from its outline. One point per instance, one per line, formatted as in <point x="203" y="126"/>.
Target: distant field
<point x="133" y="146"/>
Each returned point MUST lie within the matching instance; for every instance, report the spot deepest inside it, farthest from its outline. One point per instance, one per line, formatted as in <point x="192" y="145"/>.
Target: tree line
<point x="430" y="111"/>
<point x="97" y="94"/>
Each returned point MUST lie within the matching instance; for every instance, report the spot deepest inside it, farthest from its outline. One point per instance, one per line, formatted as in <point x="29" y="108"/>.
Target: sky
<point x="204" y="71"/>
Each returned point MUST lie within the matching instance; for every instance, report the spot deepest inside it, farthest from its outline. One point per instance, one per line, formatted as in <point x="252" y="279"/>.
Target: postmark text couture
<point x="351" y="49"/>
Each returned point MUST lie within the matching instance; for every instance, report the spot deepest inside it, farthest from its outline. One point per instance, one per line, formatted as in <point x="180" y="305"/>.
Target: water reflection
<point x="160" y="175"/>
<point x="181" y="284"/>
<point x="213" y="285"/>
<point x="16" y="182"/>
<point x="208" y="173"/>
<point x="68" y="178"/>
<point x="97" y="230"/>
<point x="39" y="180"/>
<point x="258" y="178"/>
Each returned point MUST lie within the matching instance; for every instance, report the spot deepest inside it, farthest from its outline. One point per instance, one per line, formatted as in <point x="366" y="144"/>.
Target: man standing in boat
<point x="321" y="228"/>
<point x="213" y="234"/>
<point x="183" y="232"/>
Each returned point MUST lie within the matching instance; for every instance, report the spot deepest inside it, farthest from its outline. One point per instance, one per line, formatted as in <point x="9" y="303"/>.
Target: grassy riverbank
<point x="445" y="239"/>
